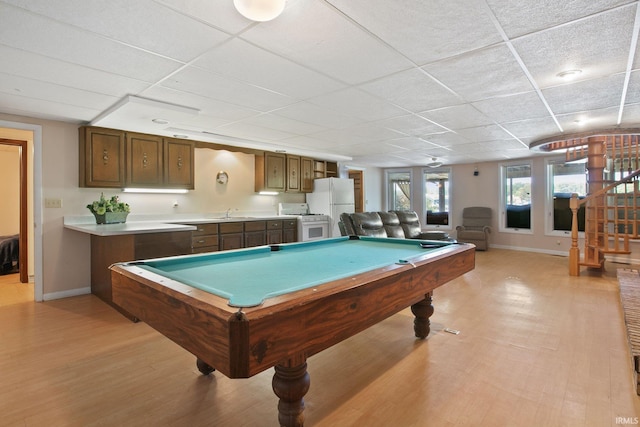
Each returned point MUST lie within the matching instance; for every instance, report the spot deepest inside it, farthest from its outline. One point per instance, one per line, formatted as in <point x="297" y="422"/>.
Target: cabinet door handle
<point x="200" y="241"/>
<point x="179" y="162"/>
<point x="105" y="157"/>
<point x="144" y="160"/>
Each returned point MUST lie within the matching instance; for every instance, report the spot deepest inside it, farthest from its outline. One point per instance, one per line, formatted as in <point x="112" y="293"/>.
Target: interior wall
<point x="9" y="190"/>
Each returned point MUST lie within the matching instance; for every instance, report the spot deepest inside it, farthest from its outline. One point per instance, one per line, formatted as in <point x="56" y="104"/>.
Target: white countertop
<point x="140" y="224"/>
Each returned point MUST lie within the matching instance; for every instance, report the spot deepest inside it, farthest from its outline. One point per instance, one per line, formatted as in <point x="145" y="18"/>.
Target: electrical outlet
<point x="52" y="203"/>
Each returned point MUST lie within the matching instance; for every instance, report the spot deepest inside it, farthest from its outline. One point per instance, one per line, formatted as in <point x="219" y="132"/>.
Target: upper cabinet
<point x="144" y="160"/>
<point x="178" y="163"/>
<point x="293" y="173"/>
<point x="306" y="178"/>
<point x="118" y="159"/>
<point x="102" y="157"/>
<point x="270" y="172"/>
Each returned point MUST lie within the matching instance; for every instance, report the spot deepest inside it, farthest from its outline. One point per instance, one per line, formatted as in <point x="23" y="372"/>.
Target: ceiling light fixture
<point x="260" y="10"/>
<point x="434" y="163"/>
<point x="569" y="74"/>
<point x="160" y="121"/>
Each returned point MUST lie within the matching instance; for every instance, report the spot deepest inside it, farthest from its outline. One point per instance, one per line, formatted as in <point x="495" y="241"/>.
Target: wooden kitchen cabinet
<point x="102" y="157"/>
<point x="255" y="233"/>
<point x="205" y="238"/>
<point x="178" y="163"/>
<point x="274" y="232"/>
<point x="231" y="235"/>
<point x="270" y="170"/>
<point x="111" y="158"/>
<point x="289" y="230"/>
<point x="145" y="154"/>
<point x="306" y="175"/>
<point x="107" y="250"/>
<point x="293" y="173"/>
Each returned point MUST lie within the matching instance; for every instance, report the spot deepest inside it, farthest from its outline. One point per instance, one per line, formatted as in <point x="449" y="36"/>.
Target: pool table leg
<point x="423" y="311"/>
<point x="290" y="383"/>
<point x="204" y="367"/>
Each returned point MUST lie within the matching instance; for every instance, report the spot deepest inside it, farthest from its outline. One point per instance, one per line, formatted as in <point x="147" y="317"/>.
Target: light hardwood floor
<point x="536" y="348"/>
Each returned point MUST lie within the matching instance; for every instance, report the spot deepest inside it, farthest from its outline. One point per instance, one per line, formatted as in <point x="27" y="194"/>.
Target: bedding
<point x="9" y="254"/>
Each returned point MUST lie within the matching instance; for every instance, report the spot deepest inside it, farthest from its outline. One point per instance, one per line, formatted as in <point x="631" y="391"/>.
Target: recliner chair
<point x="476" y="226"/>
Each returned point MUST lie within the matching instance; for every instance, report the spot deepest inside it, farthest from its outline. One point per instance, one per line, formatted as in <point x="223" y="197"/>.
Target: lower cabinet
<point x="107" y="250"/>
<point x="289" y="230"/>
<point x="205" y="238"/>
<point x="255" y="233"/>
<point x="231" y="236"/>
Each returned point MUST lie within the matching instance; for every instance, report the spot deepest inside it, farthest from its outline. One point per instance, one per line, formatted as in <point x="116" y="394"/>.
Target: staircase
<point x="612" y="206"/>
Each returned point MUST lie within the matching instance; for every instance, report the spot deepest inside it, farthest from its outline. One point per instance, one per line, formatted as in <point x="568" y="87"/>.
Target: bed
<point x="9" y="254"/>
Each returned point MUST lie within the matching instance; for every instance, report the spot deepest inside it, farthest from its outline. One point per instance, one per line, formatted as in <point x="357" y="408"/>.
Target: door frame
<point x="23" y="237"/>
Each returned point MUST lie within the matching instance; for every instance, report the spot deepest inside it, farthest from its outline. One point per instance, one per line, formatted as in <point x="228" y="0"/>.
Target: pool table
<point x="244" y="311"/>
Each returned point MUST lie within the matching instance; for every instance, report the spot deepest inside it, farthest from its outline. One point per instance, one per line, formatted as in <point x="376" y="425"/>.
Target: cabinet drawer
<point x="203" y="249"/>
<point x="199" y="241"/>
<point x="255" y="226"/>
<point x="274" y="225"/>
<point x="290" y="223"/>
<point x="204" y="229"/>
<point x="231" y="227"/>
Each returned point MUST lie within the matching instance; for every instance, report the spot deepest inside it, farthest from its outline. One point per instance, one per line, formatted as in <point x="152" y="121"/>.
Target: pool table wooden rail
<point x="288" y="327"/>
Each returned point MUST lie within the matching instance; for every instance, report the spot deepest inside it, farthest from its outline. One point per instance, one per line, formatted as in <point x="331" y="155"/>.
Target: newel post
<point x="574" y="252"/>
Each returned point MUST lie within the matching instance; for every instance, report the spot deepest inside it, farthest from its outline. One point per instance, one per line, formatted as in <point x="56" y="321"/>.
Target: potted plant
<point x="109" y="211"/>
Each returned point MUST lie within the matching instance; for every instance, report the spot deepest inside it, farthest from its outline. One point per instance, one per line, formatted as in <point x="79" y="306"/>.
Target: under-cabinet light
<point x="156" y="190"/>
<point x="268" y="193"/>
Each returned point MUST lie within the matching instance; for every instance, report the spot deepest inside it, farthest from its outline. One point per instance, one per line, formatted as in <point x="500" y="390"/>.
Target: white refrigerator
<point x="332" y="196"/>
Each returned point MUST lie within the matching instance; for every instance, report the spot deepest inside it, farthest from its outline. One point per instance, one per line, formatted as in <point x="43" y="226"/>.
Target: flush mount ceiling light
<point x="569" y="74"/>
<point x="260" y="10"/>
<point x="434" y="163"/>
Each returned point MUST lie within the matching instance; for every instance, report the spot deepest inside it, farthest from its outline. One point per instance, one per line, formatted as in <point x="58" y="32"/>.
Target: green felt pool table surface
<point x="247" y="277"/>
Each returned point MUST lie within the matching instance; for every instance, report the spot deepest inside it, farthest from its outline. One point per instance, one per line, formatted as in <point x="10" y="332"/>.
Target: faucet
<point x="227" y="214"/>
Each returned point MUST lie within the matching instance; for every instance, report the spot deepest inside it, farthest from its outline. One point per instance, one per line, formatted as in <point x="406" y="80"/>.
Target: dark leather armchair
<point x="397" y="224"/>
<point x="368" y="224"/>
<point x="412" y="230"/>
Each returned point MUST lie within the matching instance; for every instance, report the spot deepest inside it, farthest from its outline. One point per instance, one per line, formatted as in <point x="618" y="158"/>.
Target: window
<point x="399" y="190"/>
<point x="516" y="196"/>
<point x="436" y="197"/>
<point x="564" y="180"/>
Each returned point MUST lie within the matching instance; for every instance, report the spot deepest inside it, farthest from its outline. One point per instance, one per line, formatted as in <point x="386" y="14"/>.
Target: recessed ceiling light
<point x="569" y="74"/>
<point x="160" y="121"/>
<point x="181" y="136"/>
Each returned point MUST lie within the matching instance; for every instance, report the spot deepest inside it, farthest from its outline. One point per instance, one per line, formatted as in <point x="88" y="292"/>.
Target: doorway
<point x="17" y="150"/>
<point x="358" y="189"/>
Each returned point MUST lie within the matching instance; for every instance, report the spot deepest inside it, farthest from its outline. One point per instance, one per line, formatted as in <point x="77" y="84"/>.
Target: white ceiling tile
<point x="40" y="68"/>
<point x="201" y="82"/>
<point x="412" y="124"/>
<point x="539" y="128"/>
<point x="240" y="60"/>
<point x="220" y="14"/>
<point x="22" y="106"/>
<point x="457" y="117"/>
<point x="484" y="133"/>
<point x="413" y="90"/>
<point x="273" y="121"/>
<point x="424" y="31"/>
<point x="633" y="91"/>
<point x="313" y="33"/>
<point x="354" y="102"/>
<point x="36" y="34"/>
<point x="309" y="113"/>
<point x="585" y="95"/>
<point x="55" y="93"/>
<point x="252" y="132"/>
<point x="482" y="74"/>
<point x="207" y="106"/>
<point x="448" y="139"/>
<point x="511" y="108"/>
<point x="137" y="23"/>
<point x="517" y="18"/>
<point x="599" y="46"/>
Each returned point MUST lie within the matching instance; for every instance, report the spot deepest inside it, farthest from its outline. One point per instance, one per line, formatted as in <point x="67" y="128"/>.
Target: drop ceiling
<point x="376" y="82"/>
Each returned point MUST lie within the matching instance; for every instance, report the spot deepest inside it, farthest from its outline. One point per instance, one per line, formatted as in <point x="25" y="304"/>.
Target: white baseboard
<point x="536" y="250"/>
<point x="66" y="294"/>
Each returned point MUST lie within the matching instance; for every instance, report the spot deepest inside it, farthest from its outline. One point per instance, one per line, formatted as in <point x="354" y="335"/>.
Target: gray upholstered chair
<point x="476" y="226"/>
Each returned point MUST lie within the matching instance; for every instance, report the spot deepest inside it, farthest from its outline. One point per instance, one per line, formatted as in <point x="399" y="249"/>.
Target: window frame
<point x="502" y="226"/>
<point x="423" y="214"/>
<point x="549" y="205"/>
<point x="389" y="195"/>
